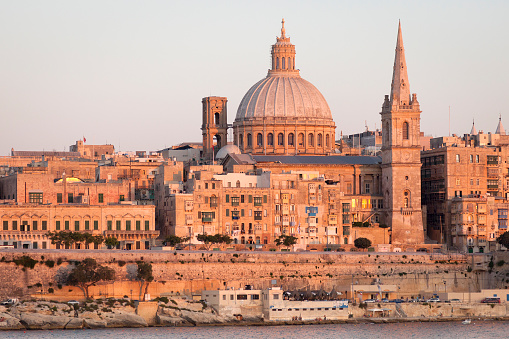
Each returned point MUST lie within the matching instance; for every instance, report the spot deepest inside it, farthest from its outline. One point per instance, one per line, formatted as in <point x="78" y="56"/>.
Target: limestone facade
<point x="26" y="225"/>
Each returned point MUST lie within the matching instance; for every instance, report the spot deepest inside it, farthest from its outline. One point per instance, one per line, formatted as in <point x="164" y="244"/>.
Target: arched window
<point x="290" y="139"/>
<point x="281" y="139"/>
<point x="405" y="130"/>
<point x="241" y="140"/>
<point x="311" y="139"/>
<point x="259" y="140"/>
<point x="301" y="139"/>
<point x="319" y="140"/>
<point x="237" y="184"/>
<point x="406" y="199"/>
<point x="217" y="141"/>
<point x="270" y="139"/>
<point x="216" y="119"/>
<point x="283" y="63"/>
<point x="249" y="140"/>
<point x="277" y="63"/>
<point x="327" y="140"/>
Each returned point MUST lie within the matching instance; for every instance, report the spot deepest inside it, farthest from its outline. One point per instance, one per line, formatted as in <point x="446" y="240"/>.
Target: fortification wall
<point x="189" y="273"/>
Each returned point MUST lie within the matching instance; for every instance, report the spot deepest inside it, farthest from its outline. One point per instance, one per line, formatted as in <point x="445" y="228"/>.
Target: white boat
<point x="466" y="322"/>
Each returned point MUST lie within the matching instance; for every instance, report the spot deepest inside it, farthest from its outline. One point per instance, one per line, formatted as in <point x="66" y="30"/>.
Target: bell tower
<point x="215" y="125"/>
<point x="401" y="156"/>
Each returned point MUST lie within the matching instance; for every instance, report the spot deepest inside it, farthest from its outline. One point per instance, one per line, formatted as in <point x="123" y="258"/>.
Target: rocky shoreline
<point x="122" y="313"/>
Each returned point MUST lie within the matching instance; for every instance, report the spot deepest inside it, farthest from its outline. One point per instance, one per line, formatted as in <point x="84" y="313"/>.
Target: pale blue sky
<point x="133" y="73"/>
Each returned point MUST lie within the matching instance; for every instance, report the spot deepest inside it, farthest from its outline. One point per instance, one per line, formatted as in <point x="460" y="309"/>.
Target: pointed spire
<point x="400" y="88"/>
<point x="283" y="31"/>
<point x="473" y="131"/>
<point x="500" y="129"/>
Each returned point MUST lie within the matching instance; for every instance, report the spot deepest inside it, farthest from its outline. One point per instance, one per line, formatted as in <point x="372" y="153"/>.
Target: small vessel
<point x="466" y="322"/>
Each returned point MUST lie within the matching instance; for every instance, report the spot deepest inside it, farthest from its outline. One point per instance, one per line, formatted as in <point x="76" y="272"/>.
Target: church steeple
<point x="500" y="129"/>
<point x="283" y="55"/>
<point x="473" y="131"/>
<point x="400" y="88"/>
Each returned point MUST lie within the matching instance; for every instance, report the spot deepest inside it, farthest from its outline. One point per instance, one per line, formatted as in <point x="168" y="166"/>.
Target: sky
<point x="133" y="73"/>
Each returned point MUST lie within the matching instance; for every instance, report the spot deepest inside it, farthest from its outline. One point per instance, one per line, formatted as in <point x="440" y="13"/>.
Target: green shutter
<point x="87" y="225"/>
<point x="250" y="199"/>
<point x="34" y="225"/>
<point x="227" y="213"/>
<point x="110" y="225"/>
<point x="242" y="212"/>
<point x="147" y="225"/>
<point x="264" y="199"/>
<point x="96" y="225"/>
<point x="119" y="225"/>
<point x="76" y="225"/>
<point x="44" y="225"/>
<point x="138" y="225"/>
<point x="57" y="225"/>
<point x="6" y="225"/>
<point x="66" y="225"/>
<point x="227" y="198"/>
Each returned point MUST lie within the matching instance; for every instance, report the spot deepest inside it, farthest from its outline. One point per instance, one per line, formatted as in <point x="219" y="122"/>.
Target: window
<point x="257" y="215"/>
<point x="255" y="297"/>
<point x="76" y="225"/>
<point x="301" y="139"/>
<point x="110" y="225"/>
<point x="327" y="140"/>
<point x="59" y="198"/>
<point x="128" y="225"/>
<point x="70" y="198"/>
<point x="249" y="140"/>
<point x="96" y="225"/>
<point x="35" y="197"/>
<point x="57" y="225"/>
<point x="122" y="198"/>
<point x="101" y="198"/>
<point x="319" y="140"/>
<point x="66" y="225"/>
<point x="290" y="139"/>
<point x="138" y="225"/>
<point x="87" y="225"/>
<point x="147" y="225"/>
<point x="241" y="296"/>
<point x="280" y="139"/>
<point x="270" y="139"/>
<point x="457" y="158"/>
<point x="6" y="225"/>
<point x="235" y="201"/>
<point x="259" y="140"/>
<point x="118" y="225"/>
<point x="405" y="131"/>
<point x="311" y="139"/>
<point x="471" y="158"/>
<point x="477" y="158"/>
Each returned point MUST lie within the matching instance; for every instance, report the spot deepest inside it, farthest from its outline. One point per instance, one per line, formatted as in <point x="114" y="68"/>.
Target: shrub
<point x="26" y="262"/>
<point x="162" y="299"/>
<point x="121" y="263"/>
<point x="500" y="263"/>
<point x="49" y="263"/>
<point x="59" y="261"/>
<point x="51" y="290"/>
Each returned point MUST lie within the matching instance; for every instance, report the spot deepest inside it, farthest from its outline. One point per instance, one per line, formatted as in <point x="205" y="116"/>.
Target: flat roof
<point x="320" y="159"/>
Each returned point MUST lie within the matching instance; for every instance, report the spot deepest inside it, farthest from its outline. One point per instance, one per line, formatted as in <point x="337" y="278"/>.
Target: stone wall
<point x="189" y="273"/>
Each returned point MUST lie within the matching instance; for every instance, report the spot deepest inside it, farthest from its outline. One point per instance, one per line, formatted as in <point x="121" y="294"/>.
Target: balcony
<point x="206" y="219"/>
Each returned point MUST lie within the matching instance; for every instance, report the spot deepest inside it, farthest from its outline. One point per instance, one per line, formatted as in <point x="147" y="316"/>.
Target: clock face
<point x="406" y="155"/>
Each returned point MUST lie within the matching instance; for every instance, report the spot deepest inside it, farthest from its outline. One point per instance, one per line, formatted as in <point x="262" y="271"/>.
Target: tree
<point x="111" y="242"/>
<point x="286" y="240"/>
<point x="144" y="275"/>
<point x="173" y="240"/>
<point x="504" y="239"/>
<point x="88" y="273"/>
<point x="208" y="240"/>
<point x="70" y="239"/>
<point x="362" y="243"/>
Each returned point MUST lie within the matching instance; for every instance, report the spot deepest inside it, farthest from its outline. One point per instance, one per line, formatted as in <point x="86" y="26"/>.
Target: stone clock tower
<point x="401" y="161"/>
<point x="214" y="125"/>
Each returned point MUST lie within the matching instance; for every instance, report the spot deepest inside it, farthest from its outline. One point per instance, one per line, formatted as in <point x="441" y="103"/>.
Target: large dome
<point x="283" y="113"/>
<point x="283" y="97"/>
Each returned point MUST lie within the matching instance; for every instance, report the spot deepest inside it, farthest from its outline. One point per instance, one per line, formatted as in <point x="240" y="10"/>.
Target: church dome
<point x="280" y="96"/>
<point x="283" y="113"/>
<point x="228" y="149"/>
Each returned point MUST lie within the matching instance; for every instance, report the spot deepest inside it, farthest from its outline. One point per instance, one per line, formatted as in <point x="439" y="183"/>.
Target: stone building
<point x="27" y="225"/>
<point x="472" y="166"/>
<point x="477" y="221"/>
